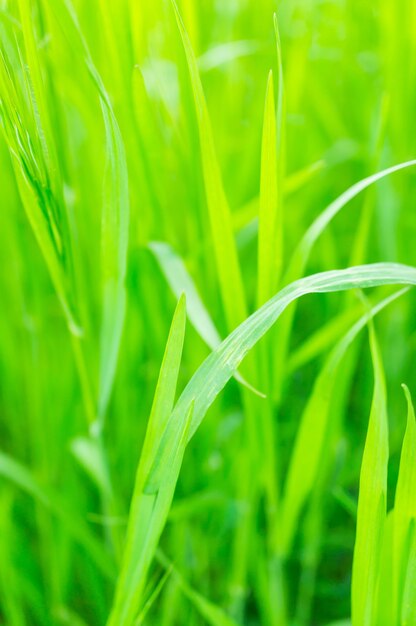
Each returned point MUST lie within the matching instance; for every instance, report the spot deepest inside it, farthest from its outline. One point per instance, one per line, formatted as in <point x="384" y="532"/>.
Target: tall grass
<point x="201" y="411"/>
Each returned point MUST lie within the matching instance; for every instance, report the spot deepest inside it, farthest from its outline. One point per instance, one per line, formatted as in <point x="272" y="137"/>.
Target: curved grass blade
<point x="301" y="254"/>
<point x="221" y="54"/>
<point x="217" y="369"/>
<point x="158" y="472"/>
<point x="371" y="513"/>
<point x="310" y="440"/>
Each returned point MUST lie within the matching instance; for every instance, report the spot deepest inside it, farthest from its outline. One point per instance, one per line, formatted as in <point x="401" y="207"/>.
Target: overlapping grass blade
<point x="371" y="514"/>
<point x="163" y="450"/>
<point x="180" y="281"/>
<point x="302" y="252"/>
<point x="152" y="497"/>
<point x="309" y="449"/>
<point x="300" y="257"/>
<point x="217" y="369"/>
<point x="37" y="184"/>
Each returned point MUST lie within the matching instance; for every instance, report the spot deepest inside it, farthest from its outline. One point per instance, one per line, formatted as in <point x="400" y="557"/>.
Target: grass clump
<point x="200" y="412"/>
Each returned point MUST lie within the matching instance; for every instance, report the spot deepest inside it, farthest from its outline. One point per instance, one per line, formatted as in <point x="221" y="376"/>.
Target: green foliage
<point x="164" y="165"/>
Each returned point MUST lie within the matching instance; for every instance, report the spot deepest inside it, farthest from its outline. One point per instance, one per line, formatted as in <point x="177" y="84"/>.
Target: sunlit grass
<point x="201" y="413"/>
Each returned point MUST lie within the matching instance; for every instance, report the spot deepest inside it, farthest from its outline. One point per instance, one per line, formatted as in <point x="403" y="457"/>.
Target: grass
<point x="207" y="253"/>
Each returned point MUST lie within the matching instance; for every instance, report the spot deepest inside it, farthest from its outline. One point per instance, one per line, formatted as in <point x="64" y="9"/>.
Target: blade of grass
<point x="158" y="473"/>
<point x="408" y="606"/>
<point x="385" y="608"/>
<point x="308" y="450"/>
<point x="180" y="281"/>
<point x="371" y="514"/>
<point x="218" y="368"/>
<point x="33" y="178"/>
<point x="225" y="251"/>
<point x="150" y="503"/>
<point x="404" y="505"/>
<point x="270" y="235"/>
<point x="300" y="257"/>
<point x="322" y="339"/>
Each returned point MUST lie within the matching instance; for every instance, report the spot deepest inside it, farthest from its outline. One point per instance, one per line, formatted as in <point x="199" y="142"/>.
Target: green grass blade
<point x="225" y="251"/>
<point x="25" y="140"/>
<point x="153" y="596"/>
<point x="301" y="255"/>
<point x="201" y="392"/>
<point x="405" y="503"/>
<point x="180" y="281"/>
<point x="294" y="182"/>
<point x="155" y="483"/>
<point x="210" y="612"/>
<point x="408" y="605"/>
<point x="270" y="242"/>
<point x="385" y="606"/>
<point x="149" y="512"/>
<point x="371" y="503"/>
<point x="165" y="391"/>
<point x="218" y="368"/>
<point x="309" y="448"/>
<point x="114" y="244"/>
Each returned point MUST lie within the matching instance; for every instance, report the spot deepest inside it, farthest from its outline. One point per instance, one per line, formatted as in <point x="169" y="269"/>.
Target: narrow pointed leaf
<point x="228" y="267"/>
<point x="371" y="514"/>
<point x="152" y="496"/>
<point x="405" y="502"/>
<point x="270" y="243"/>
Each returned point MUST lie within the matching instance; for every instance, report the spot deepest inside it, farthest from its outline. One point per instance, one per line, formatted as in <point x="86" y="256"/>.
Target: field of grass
<point x="207" y="330"/>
